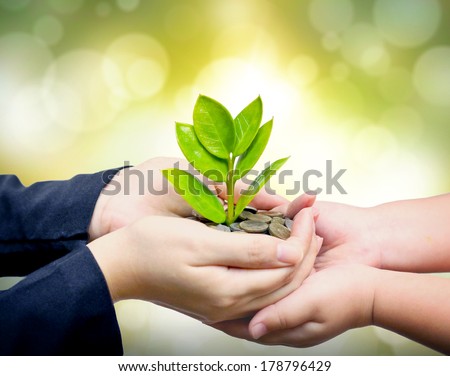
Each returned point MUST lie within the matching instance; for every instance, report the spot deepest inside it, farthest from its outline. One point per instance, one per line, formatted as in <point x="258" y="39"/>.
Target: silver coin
<point x="271" y="213"/>
<point x="288" y="223"/>
<point x="244" y="215"/>
<point x="278" y="220"/>
<point x="251" y="209"/>
<point x="234" y="227"/>
<point x="259" y="218"/>
<point x="279" y="231"/>
<point x="254" y="226"/>
<point x="219" y="227"/>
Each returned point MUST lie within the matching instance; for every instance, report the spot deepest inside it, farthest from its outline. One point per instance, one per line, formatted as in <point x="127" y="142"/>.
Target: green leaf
<point x="196" y="194"/>
<point x="247" y="160"/>
<point x="246" y="126"/>
<point x="214" y="127"/>
<point x="257" y="184"/>
<point x="209" y="165"/>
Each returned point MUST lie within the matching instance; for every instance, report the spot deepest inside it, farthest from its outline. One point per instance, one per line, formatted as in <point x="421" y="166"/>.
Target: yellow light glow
<point x="432" y="76"/>
<point x="83" y="102"/>
<point x="135" y="66"/>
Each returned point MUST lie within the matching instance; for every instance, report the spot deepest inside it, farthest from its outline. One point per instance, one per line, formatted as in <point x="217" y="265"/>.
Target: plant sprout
<point x="224" y="150"/>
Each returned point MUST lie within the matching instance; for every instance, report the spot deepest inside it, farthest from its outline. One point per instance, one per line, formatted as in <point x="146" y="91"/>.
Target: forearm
<point x="46" y="220"/>
<point x="414" y="305"/>
<point x="413" y="234"/>
<point x="63" y="308"/>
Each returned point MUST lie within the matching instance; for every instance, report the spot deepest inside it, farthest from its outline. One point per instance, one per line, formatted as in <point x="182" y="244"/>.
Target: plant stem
<point x="230" y="190"/>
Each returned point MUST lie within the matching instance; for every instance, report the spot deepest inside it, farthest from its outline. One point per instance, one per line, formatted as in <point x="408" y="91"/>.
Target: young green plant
<point x="224" y="150"/>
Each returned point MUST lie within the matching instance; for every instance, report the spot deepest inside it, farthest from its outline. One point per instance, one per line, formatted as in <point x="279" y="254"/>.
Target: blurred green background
<point x="86" y="85"/>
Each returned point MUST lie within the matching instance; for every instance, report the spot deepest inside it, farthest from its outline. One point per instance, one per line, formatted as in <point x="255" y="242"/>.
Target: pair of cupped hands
<point x="297" y="292"/>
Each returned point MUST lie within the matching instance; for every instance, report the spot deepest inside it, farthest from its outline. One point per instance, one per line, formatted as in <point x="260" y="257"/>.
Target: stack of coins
<point x="254" y="221"/>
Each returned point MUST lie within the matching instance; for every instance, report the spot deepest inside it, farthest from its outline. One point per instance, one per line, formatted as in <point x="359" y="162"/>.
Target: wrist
<point x="100" y="222"/>
<point x="391" y="235"/>
<point x="110" y="253"/>
<point x="368" y="284"/>
<point x="382" y="229"/>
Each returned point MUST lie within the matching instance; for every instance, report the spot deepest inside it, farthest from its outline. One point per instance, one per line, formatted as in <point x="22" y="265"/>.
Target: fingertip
<point x="310" y="198"/>
<point x="302" y="219"/>
<point x="301" y="202"/>
<point x="315" y="212"/>
<point x="289" y="253"/>
<point x="258" y="330"/>
<point x="319" y="242"/>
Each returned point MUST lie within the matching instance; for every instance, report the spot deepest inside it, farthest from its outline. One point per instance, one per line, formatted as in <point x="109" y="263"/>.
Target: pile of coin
<point x="254" y="221"/>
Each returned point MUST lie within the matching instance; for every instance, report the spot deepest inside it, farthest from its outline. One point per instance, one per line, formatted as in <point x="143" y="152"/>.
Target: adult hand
<point x="142" y="191"/>
<point x="207" y="274"/>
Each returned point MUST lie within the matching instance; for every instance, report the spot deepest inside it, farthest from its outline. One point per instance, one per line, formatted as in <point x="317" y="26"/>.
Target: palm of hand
<point x="143" y="192"/>
<point x="348" y="236"/>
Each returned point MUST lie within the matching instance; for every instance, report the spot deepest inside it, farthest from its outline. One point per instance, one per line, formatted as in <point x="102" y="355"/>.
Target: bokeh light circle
<point x="331" y="16"/>
<point x="82" y="102"/>
<point x="432" y="76"/>
<point x="135" y="66"/>
<point x="145" y="77"/>
<point x="363" y="47"/>
<point x="407" y="23"/>
<point x="23" y="59"/>
<point x="29" y="127"/>
<point x="49" y="29"/>
<point x="128" y="5"/>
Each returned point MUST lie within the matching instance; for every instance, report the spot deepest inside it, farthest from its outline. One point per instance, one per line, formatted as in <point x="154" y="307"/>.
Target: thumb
<point x="249" y="251"/>
<point x="301" y="202"/>
<point x="288" y="313"/>
<point x="303" y="230"/>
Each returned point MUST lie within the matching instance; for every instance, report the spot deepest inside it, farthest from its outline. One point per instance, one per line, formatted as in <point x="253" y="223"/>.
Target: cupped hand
<point x="205" y="273"/>
<point x="142" y="191"/>
<point x="349" y="233"/>
<point x="327" y="304"/>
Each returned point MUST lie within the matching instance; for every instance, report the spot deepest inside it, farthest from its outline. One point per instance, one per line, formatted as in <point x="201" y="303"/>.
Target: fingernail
<point x="315" y="212"/>
<point x="258" y="330"/>
<point x="319" y="241"/>
<point x="287" y="253"/>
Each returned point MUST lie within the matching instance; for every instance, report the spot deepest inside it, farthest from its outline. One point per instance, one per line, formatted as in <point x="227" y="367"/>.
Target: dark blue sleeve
<point x="44" y="221"/>
<point x="64" y="305"/>
<point x="64" y="308"/>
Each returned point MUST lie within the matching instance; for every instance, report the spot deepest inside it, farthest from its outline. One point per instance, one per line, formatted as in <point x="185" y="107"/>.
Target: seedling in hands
<point x="224" y="150"/>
